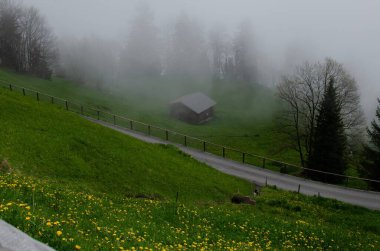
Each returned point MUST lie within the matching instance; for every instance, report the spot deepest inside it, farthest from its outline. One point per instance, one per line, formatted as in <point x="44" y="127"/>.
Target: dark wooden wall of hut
<point x="182" y="112"/>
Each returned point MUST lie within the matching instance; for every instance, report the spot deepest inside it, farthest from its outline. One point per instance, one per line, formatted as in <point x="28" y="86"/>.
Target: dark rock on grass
<point x="239" y="199"/>
<point x="5" y="167"/>
<point x="148" y="197"/>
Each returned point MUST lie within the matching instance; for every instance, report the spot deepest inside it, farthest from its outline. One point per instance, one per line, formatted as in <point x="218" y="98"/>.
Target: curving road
<point x="262" y="176"/>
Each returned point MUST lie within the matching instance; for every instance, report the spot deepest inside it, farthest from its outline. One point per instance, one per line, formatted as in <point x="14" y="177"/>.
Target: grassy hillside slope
<point x="244" y="117"/>
<point x="72" y="179"/>
<point x="45" y="141"/>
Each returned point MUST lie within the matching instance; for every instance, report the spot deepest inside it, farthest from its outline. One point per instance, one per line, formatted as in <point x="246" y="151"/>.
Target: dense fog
<point x="279" y="35"/>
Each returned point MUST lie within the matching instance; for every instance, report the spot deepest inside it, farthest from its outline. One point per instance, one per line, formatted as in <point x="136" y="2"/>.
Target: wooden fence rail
<point x="169" y="135"/>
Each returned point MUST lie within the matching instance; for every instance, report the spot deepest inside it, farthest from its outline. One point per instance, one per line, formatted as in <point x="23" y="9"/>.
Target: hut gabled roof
<point x="197" y="102"/>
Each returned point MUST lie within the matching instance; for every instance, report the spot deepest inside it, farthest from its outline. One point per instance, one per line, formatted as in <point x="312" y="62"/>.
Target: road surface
<point x="262" y="176"/>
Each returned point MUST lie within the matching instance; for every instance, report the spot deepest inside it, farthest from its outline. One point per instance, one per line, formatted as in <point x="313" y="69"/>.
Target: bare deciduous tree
<point x="37" y="45"/>
<point x="302" y="93"/>
<point x="27" y="44"/>
<point x="10" y="14"/>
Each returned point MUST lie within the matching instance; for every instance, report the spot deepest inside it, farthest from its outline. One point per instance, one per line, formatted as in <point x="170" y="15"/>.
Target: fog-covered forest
<point x="101" y="43"/>
<point x="185" y="50"/>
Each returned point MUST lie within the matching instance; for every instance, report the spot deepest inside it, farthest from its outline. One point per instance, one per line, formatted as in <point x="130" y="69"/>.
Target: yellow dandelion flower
<point x="59" y="233"/>
<point x="27" y="218"/>
<point x="77" y="247"/>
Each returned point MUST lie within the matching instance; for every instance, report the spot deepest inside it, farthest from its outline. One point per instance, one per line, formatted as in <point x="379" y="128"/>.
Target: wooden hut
<point x="195" y="108"/>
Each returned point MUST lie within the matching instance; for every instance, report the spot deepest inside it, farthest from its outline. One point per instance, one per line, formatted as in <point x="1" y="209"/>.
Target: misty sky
<point x="288" y="32"/>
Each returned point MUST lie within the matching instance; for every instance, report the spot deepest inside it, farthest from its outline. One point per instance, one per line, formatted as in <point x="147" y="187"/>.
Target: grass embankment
<point x="244" y="117"/>
<point x="245" y="114"/>
<point x="43" y="140"/>
<point x="72" y="179"/>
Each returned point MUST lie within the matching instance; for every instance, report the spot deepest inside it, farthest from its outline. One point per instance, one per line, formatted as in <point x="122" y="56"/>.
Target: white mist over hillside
<point x="286" y="32"/>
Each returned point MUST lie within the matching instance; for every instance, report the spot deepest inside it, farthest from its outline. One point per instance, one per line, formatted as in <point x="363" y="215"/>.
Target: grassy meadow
<point x="244" y="117"/>
<point x="70" y="219"/>
<point x="45" y="141"/>
<point x="74" y="185"/>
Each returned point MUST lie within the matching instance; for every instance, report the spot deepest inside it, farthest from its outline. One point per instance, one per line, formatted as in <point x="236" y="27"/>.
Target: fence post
<point x="243" y="157"/>
<point x="263" y="162"/>
<point x="185" y="140"/>
<point x="98" y="113"/>
<point x="38" y="96"/>
<point x="10" y="87"/>
<point x="167" y="135"/>
<point x="131" y="124"/>
<point x="67" y="105"/>
<point x="149" y="130"/>
<point x="266" y="180"/>
<point x="23" y="91"/>
<point x="299" y="188"/>
<point x="204" y="146"/>
<point x="224" y="152"/>
<point x="114" y="119"/>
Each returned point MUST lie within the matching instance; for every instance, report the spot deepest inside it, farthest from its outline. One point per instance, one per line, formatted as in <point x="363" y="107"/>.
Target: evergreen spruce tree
<point x="371" y="162"/>
<point x="328" y="150"/>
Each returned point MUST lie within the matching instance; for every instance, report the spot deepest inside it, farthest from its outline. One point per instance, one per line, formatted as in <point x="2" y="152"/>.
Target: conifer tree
<point x="329" y="140"/>
<point x="371" y="162"/>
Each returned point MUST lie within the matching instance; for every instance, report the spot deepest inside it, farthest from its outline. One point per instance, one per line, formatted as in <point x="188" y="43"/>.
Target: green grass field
<point x="74" y="183"/>
<point x="44" y="140"/>
<point x="67" y="219"/>
<point x="244" y="117"/>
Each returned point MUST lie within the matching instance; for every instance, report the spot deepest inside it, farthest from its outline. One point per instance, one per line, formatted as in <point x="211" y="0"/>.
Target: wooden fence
<point x="182" y="139"/>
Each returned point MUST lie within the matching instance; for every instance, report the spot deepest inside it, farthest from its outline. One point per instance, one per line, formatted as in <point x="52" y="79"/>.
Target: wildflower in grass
<point x="101" y="224"/>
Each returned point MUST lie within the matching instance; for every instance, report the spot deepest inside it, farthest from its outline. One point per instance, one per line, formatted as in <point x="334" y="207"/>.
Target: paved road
<point x="12" y="239"/>
<point x="260" y="176"/>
